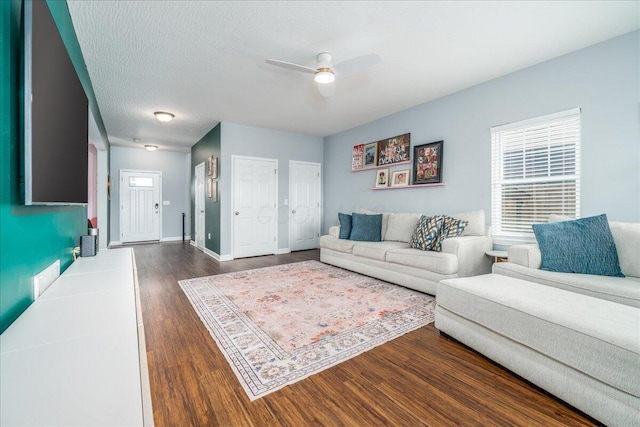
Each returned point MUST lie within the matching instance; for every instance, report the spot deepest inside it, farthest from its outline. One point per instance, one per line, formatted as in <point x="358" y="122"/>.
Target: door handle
<point x="293" y="211"/>
<point x="237" y="213"/>
<point x="156" y="206"/>
<point x="201" y="211"/>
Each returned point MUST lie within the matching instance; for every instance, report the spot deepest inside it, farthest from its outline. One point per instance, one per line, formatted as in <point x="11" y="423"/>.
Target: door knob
<point x="237" y="213"/>
<point x="156" y="206"/>
<point x="293" y="211"/>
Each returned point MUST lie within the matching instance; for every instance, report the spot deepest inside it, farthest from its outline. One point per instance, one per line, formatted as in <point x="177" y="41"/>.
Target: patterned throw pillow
<point x="451" y="227"/>
<point x="426" y="232"/>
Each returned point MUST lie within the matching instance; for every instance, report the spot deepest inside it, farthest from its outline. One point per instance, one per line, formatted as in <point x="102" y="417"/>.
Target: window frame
<point x="531" y="145"/>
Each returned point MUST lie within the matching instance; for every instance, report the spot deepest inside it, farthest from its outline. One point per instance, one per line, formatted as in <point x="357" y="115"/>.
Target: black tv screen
<point x="56" y="115"/>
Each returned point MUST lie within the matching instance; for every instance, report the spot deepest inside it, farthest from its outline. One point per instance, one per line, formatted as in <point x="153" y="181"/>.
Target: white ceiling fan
<point x="325" y="73"/>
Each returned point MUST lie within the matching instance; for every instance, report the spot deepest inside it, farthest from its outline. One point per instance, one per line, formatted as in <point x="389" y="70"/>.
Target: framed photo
<point x="394" y="150"/>
<point x="214" y="191"/>
<point x="213" y="167"/>
<point x="400" y="178"/>
<point x="427" y="163"/>
<point x="209" y="187"/>
<point x="382" y="178"/>
<point x="371" y="155"/>
<point x="357" y="157"/>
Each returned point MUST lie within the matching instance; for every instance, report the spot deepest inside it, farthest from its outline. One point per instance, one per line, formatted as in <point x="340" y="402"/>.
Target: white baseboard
<point x="216" y="256"/>
<point x="114" y="243"/>
<point x="283" y="251"/>
<point x="174" y="239"/>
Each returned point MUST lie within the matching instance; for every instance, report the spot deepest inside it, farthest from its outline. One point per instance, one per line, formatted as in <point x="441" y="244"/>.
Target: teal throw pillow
<point x="581" y="246"/>
<point x="345" y="225"/>
<point x="451" y="227"/>
<point x="366" y="228"/>
<point x="426" y="233"/>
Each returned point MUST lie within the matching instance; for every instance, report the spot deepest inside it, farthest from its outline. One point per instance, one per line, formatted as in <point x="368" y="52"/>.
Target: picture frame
<point x="400" y="178"/>
<point x="209" y="187"/>
<point x="370" y="155"/>
<point x="382" y="178"/>
<point x="357" y="157"/>
<point x="214" y="191"/>
<point x="427" y="163"/>
<point x="394" y="150"/>
<point x="213" y="167"/>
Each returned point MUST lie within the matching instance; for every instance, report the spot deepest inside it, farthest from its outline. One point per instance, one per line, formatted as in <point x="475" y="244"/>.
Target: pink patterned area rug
<point x="278" y="325"/>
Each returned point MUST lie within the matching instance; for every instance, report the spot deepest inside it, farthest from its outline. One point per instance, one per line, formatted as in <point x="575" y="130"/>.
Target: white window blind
<point x="535" y="172"/>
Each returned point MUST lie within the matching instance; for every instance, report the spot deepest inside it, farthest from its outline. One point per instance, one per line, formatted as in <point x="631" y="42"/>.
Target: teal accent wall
<point x="31" y="237"/>
<point x="209" y="145"/>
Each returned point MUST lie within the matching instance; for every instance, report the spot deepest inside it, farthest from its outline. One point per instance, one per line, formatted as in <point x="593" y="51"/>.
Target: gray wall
<point x="260" y="142"/>
<point x="175" y="168"/>
<point x="602" y="79"/>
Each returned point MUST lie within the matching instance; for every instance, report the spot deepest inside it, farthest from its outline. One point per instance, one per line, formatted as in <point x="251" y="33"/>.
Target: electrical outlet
<point x="45" y="278"/>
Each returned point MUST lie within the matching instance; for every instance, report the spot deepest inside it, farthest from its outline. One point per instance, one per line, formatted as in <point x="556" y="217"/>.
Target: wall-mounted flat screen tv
<point x="55" y="118"/>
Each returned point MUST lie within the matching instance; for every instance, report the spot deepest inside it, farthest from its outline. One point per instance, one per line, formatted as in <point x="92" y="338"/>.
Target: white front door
<point x="199" y="206"/>
<point x="254" y="206"/>
<point x="140" y="206"/>
<point x="305" y="191"/>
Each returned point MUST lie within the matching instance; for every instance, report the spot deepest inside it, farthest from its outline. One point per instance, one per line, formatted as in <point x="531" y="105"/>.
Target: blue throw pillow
<point x="345" y="225"/>
<point x="581" y="246"/>
<point x="366" y="228"/>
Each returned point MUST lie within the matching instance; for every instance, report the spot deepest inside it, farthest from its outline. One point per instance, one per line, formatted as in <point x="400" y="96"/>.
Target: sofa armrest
<point x="470" y="251"/>
<point x="334" y="231"/>
<point x="526" y="255"/>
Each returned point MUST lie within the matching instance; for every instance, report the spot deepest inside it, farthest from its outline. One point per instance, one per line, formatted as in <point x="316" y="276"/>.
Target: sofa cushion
<point x="401" y="226"/>
<point x="345" y="225"/>
<point x="437" y="262"/>
<point x="385" y="220"/>
<point x="475" y="226"/>
<point x="426" y="232"/>
<point x="626" y="236"/>
<point x="340" y="245"/>
<point x="376" y="250"/>
<point x="365" y="228"/>
<point x="583" y="246"/>
<point x="451" y="227"/>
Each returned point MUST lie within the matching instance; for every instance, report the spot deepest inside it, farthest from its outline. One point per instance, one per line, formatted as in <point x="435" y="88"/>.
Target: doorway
<point x="305" y="192"/>
<point x="254" y="204"/>
<point x="140" y="207"/>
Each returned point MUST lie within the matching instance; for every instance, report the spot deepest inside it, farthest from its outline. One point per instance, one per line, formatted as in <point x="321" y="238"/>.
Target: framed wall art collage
<point x="386" y="153"/>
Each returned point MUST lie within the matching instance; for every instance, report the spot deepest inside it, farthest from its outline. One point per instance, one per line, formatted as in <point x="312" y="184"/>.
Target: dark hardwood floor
<point x="419" y="379"/>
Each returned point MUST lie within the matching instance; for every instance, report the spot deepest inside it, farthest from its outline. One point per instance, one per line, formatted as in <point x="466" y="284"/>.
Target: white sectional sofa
<point x="575" y="335"/>
<point x="525" y="261"/>
<point x="394" y="261"/>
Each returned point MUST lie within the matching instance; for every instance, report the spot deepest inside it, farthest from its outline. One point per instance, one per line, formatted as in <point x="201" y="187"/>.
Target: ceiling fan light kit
<point x="325" y="73"/>
<point x="324" y="76"/>
<point x="163" y="116"/>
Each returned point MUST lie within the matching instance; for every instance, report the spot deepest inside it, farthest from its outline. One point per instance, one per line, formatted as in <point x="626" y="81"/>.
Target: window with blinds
<point x="535" y="172"/>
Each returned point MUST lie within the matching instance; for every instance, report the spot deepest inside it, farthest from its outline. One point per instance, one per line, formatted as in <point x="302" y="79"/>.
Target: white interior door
<point x="305" y="190"/>
<point x="254" y="206"/>
<point x="140" y="206"/>
<point x="199" y="205"/>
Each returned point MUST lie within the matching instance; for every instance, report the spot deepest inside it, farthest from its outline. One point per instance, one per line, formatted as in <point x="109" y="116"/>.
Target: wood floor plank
<point x="419" y="379"/>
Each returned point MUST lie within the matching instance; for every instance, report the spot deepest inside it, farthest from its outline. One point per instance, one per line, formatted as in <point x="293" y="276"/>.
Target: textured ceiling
<point x="204" y="60"/>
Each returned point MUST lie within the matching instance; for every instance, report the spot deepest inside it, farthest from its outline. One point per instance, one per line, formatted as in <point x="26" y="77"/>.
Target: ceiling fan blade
<point x="357" y="64"/>
<point x="291" y="66"/>
<point x="327" y="89"/>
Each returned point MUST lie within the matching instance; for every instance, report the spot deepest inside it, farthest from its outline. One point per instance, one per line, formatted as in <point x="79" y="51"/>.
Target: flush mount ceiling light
<point x="151" y="147"/>
<point x="163" y="116"/>
<point x="136" y="139"/>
